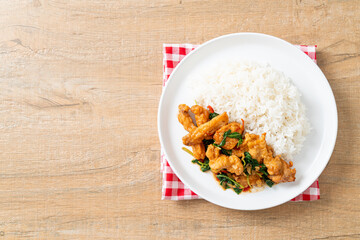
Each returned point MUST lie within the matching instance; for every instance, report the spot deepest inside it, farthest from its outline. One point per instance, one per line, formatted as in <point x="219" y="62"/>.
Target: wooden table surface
<point x="80" y="83"/>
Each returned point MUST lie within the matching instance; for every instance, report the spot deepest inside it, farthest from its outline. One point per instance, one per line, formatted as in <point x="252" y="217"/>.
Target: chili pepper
<point x="210" y="109"/>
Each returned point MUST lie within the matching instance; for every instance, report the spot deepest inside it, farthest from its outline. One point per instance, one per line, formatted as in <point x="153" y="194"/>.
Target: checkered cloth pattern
<point x="172" y="187"/>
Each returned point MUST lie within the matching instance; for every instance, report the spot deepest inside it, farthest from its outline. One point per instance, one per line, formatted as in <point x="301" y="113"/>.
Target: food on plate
<point x="238" y="159"/>
<point x="206" y="129"/>
<point x="230" y="143"/>
<point x="219" y="162"/>
<point x="264" y="97"/>
<point x="201" y="114"/>
<point x="185" y="119"/>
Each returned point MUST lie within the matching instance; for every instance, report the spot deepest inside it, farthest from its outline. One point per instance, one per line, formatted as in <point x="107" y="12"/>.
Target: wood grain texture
<point x="80" y="83"/>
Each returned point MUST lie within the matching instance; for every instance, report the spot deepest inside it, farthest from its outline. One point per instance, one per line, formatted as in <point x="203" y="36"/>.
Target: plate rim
<point x="332" y="142"/>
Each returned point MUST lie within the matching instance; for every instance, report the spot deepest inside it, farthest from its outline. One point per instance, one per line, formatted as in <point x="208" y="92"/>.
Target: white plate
<point x="316" y="95"/>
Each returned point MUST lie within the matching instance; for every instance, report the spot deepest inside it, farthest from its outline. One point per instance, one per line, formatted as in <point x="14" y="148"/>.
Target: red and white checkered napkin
<point x="172" y="187"/>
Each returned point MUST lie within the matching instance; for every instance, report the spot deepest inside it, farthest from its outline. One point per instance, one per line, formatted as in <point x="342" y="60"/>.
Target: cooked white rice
<point x="264" y="97"/>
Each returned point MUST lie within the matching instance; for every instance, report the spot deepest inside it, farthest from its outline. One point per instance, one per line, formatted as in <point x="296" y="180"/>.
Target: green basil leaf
<point x="269" y="183"/>
<point x="195" y="161"/>
<point x="239" y="142"/>
<point x="226" y="152"/>
<point x="212" y="115"/>
<point x="204" y="166"/>
<point x="253" y="162"/>
<point x="224" y="178"/>
<point x="234" y="135"/>
<point x="237" y="190"/>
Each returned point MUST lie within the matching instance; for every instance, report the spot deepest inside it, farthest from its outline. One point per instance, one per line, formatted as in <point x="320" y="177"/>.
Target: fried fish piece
<point x="253" y="179"/>
<point x="256" y="146"/>
<point x="206" y="129"/>
<point x="212" y="152"/>
<point x="220" y="162"/>
<point x="230" y="143"/>
<point x="230" y="163"/>
<point x="185" y="119"/>
<point x="198" y="151"/>
<point x="279" y="170"/>
<point x="201" y="114"/>
<point x="188" y="124"/>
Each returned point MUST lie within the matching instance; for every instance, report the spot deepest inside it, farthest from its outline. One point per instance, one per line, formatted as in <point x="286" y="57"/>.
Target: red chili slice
<point x="210" y="109"/>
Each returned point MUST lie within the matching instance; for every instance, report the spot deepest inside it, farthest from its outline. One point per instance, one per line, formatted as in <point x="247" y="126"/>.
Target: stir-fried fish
<point x="208" y="128"/>
<point x="230" y="143"/>
<point x="198" y="151"/>
<point x="278" y="169"/>
<point x="238" y="161"/>
<point x="212" y="152"/>
<point x="219" y="161"/>
<point x="201" y="114"/>
<point x="185" y="119"/>
<point x="253" y="179"/>
<point x="256" y="146"/>
<point x="188" y="124"/>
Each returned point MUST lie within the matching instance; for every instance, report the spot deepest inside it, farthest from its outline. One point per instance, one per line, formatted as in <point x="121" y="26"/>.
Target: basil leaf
<point x="225" y="179"/>
<point x="239" y="142"/>
<point x="237" y="190"/>
<point x="269" y="183"/>
<point x="226" y="152"/>
<point x="234" y="135"/>
<point x="224" y="139"/>
<point x="263" y="169"/>
<point x="245" y="171"/>
<point x="212" y="115"/>
<point x="204" y="166"/>
<point x="227" y="133"/>
<point x="253" y="162"/>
